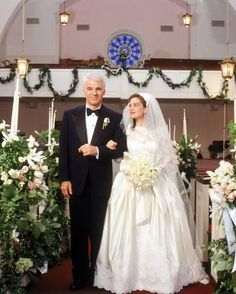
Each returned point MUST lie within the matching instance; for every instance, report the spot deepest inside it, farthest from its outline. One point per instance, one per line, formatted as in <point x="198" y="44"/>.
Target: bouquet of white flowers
<point x="140" y="170"/>
<point x="223" y="180"/>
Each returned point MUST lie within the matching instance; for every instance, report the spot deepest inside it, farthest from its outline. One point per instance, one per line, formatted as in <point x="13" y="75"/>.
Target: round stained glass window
<point x="124" y="50"/>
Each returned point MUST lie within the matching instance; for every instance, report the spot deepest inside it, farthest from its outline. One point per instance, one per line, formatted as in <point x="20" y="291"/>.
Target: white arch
<point x="7" y="13"/>
<point x="233" y="4"/>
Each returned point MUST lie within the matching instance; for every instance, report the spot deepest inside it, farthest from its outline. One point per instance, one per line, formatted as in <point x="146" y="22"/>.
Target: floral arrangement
<point x="139" y="170"/>
<point x="223" y="181"/>
<point x="222" y="251"/>
<point x="187" y="150"/>
<point x="33" y="225"/>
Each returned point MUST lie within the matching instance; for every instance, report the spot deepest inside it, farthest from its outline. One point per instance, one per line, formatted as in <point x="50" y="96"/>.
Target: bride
<point x="147" y="243"/>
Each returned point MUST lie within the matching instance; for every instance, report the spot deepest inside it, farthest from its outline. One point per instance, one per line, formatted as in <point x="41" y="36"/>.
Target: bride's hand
<point x="111" y="145"/>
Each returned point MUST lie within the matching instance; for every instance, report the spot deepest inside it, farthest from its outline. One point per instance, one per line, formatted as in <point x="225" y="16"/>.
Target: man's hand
<point x="88" y="150"/>
<point x="66" y="188"/>
<point x="111" y="145"/>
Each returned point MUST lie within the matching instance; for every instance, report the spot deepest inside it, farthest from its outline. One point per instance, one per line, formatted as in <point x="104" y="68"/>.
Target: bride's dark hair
<point x="141" y="99"/>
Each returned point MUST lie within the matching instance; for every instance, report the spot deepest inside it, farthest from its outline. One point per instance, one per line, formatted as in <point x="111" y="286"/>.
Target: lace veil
<point x="166" y="155"/>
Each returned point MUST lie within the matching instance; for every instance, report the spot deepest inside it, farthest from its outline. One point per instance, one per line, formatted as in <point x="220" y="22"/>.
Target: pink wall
<point x="105" y="17"/>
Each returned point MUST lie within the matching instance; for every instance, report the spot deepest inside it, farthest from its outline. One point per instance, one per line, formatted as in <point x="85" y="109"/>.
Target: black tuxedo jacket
<point x="73" y="166"/>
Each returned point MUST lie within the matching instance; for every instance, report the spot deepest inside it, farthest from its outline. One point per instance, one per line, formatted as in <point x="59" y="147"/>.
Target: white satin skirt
<point x="146" y="243"/>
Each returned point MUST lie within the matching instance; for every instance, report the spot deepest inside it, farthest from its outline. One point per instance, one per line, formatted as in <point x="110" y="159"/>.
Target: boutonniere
<point x="106" y="122"/>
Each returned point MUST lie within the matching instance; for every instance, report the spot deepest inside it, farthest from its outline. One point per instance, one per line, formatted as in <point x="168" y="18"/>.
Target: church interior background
<point x="139" y="46"/>
<point x="85" y="43"/>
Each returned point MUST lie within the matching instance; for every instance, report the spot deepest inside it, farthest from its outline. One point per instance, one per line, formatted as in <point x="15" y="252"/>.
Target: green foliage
<point x="222" y="264"/>
<point x="33" y="225"/>
<point x="187" y="150"/>
<point x="232" y="133"/>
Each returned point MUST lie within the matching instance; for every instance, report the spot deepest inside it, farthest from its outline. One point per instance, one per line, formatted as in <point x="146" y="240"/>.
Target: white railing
<point x="120" y="87"/>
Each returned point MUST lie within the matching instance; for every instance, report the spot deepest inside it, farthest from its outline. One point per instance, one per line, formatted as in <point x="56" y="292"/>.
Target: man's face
<point x="93" y="92"/>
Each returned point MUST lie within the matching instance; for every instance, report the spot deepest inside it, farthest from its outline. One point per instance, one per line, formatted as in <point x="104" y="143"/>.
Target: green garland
<point x="45" y="72"/>
<point x="45" y="76"/>
<point x="186" y="83"/>
<point x="10" y="77"/>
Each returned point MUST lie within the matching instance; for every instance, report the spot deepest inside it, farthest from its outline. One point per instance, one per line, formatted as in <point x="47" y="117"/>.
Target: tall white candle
<point x="174" y="133"/>
<point x="235" y="123"/>
<point x="52" y="105"/>
<point x="169" y="126"/>
<point x="15" y="108"/>
<point x="49" y="126"/>
<point x="184" y="125"/>
<point x="54" y="119"/>
<point x="235" y="110"/>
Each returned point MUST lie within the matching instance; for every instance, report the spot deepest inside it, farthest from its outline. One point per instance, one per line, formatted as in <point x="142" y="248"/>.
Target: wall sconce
<point x="22" y="63"/>
<point x="64" y="17"/>
<point x="227" y="68"/>
<point x="227" y="65"/>
<point x="187" y="19"/>
<point x="187" y="16"/>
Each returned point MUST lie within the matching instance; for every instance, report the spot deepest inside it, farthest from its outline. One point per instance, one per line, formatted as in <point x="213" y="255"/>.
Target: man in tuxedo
<point x="85" y="170"/>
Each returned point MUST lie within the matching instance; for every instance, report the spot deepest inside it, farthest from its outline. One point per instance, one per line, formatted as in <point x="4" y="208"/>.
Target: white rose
<point x="38" y="174"/>
<point x="24" y="169"/>
<point x="4" y="176"/>
<point x="14" y="173"/>
<point x="44" y="169"/>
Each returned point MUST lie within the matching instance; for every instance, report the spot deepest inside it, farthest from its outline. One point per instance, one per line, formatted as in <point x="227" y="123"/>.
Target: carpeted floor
<point x="58" y="279"/>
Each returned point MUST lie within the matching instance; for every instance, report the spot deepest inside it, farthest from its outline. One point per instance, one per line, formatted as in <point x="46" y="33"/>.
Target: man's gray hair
<point x="94" y="77"/>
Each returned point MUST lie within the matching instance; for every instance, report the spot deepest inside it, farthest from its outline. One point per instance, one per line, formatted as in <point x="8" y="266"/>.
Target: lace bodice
<point x="141" y="142"/>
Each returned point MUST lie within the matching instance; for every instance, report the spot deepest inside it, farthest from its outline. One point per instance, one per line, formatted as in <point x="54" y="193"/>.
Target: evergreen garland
<point x="45" y="76"/>
<point x="10" y="77"/>
<point x="45" y="71"/>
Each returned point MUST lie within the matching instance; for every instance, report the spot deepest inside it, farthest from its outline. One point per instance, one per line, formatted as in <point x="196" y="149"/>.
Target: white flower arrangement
<point x="186" y="150"/>
<point x="23" y="264"/>
<point x="140" y="170"/>
<point x="106" y="122"/>
<point x="223" y="180"/>
<point x="30" y="207"/>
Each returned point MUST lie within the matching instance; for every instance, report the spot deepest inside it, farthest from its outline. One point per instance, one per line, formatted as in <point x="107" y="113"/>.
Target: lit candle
<point x="174" y="133"/>
<point x="184" y="125"/>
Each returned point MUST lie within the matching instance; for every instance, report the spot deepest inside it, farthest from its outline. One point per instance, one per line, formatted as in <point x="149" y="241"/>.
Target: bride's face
<point x="136" y="109"/>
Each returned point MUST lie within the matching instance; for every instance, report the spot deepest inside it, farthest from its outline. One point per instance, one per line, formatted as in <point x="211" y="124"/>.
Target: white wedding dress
<point x="146" y="243"/>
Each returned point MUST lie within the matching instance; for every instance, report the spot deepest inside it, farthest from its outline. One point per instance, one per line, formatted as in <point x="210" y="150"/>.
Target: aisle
<point x="57" y="281"/>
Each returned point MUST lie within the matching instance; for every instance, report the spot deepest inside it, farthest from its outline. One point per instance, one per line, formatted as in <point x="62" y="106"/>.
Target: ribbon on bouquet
<point x="229" y="217"/>
<point x="184" y="178"/>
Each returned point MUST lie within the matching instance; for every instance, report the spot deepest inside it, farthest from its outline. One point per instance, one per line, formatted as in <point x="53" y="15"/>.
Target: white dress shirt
<point x="91" y="121"/>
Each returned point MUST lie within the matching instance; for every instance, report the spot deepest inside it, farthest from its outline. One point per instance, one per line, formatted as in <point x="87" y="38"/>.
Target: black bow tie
<point x="90" y="111"/>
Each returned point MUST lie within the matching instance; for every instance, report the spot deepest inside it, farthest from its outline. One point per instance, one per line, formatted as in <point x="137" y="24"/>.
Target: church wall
<point x="48" y="41"/>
